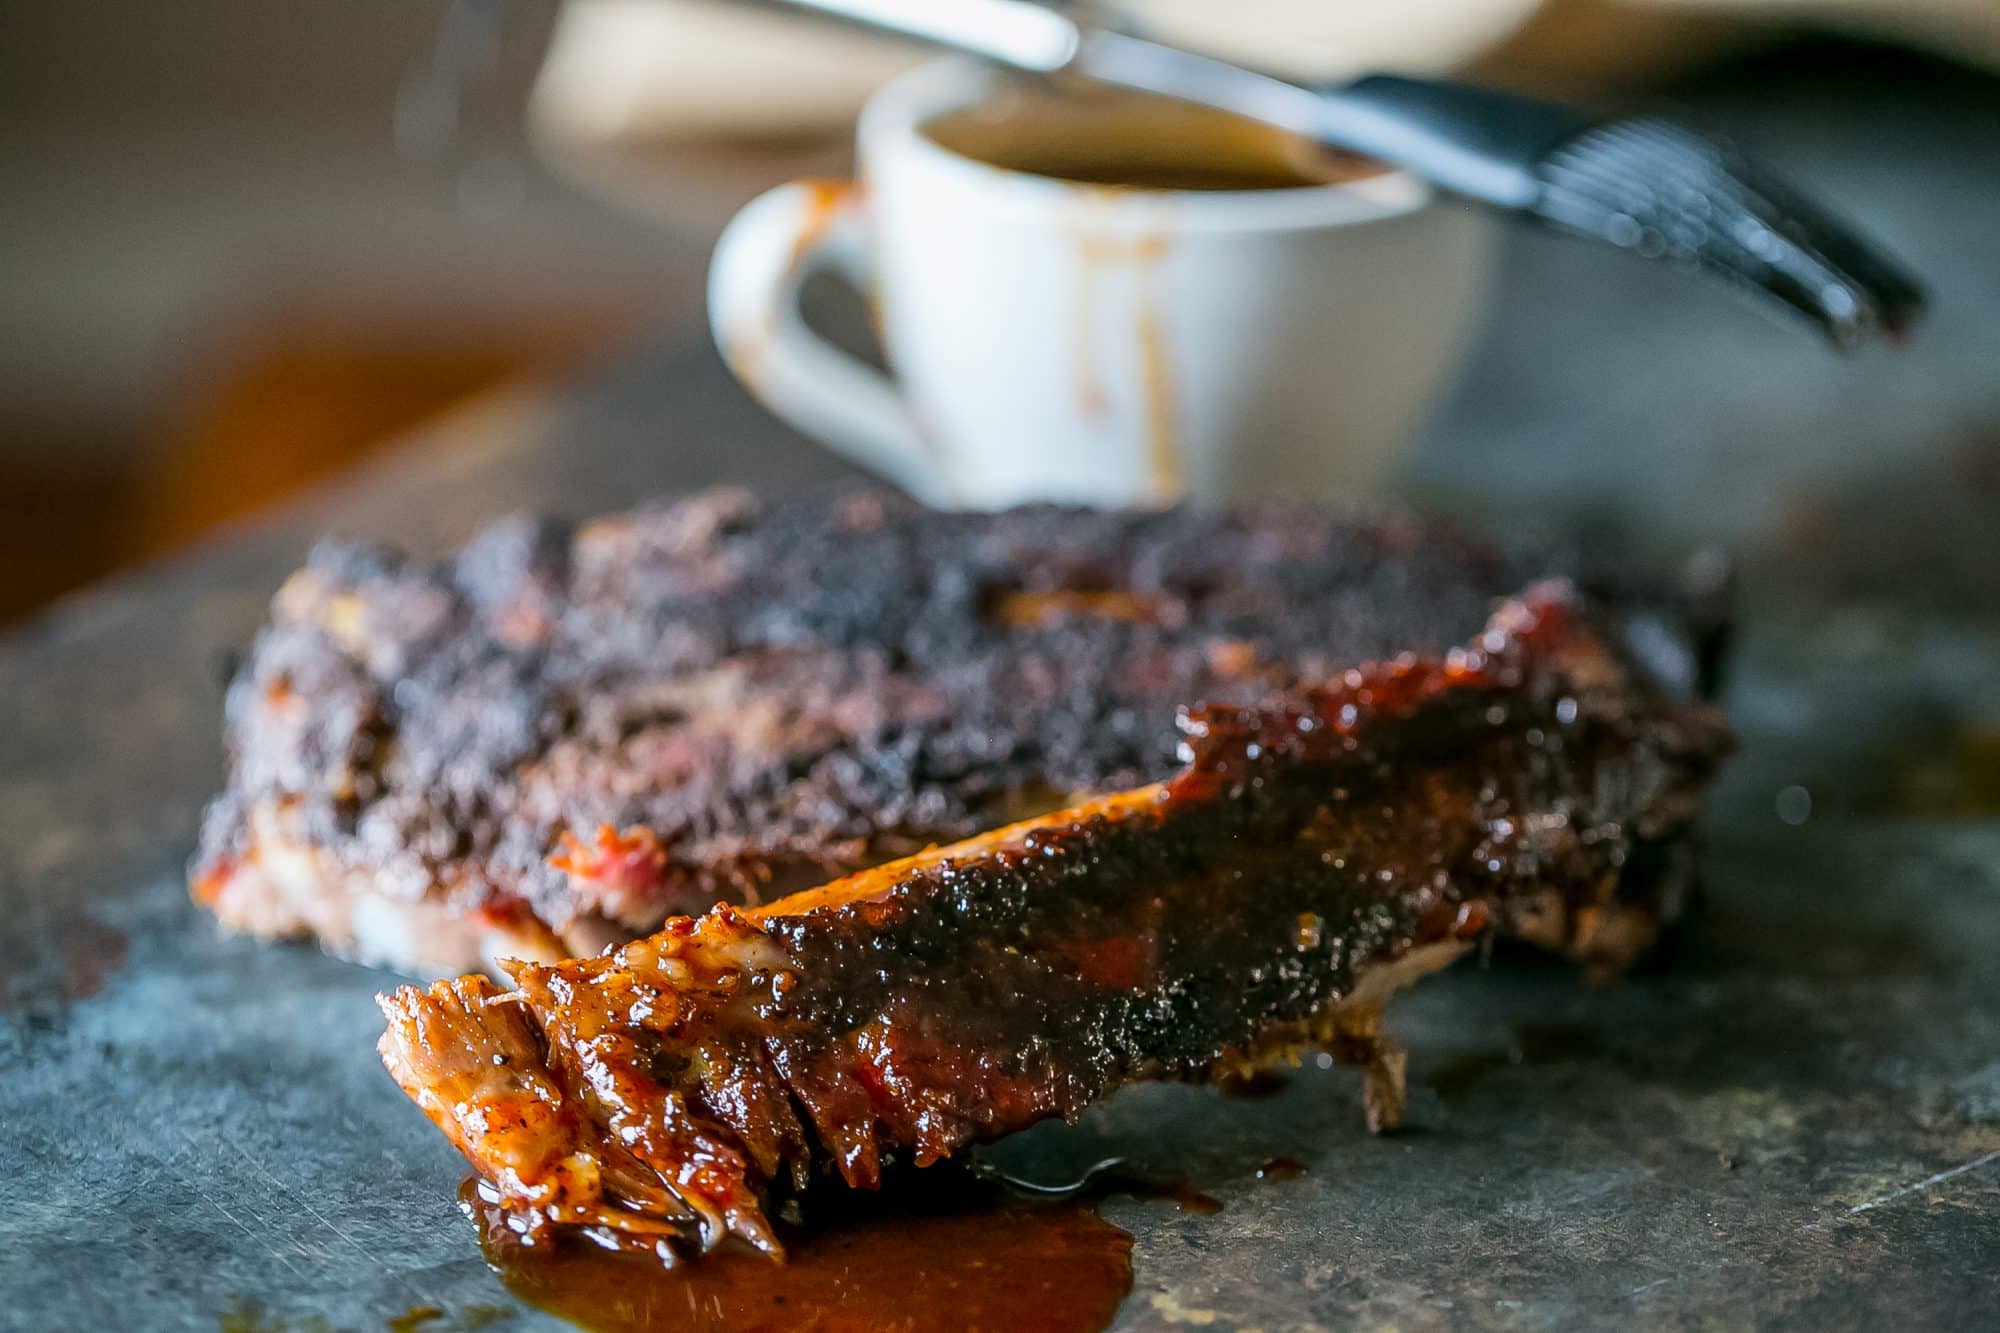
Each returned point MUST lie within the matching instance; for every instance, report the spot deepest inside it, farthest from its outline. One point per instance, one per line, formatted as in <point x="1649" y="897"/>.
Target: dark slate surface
<point x="1793" y="1120"/>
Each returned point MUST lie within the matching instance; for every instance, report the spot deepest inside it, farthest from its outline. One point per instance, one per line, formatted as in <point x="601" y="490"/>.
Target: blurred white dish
<point x="1067" y="341"/>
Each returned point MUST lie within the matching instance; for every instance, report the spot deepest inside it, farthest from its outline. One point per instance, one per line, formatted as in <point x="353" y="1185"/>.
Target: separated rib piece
<point x="1309" y="856"/>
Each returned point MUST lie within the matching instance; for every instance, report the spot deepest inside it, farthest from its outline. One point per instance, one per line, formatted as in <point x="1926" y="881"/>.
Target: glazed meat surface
<point x="562" y="735"/>
<point x="1311" y="853"/>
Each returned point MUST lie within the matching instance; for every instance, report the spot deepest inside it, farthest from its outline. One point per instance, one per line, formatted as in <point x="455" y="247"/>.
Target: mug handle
<point x="762" y="260"/>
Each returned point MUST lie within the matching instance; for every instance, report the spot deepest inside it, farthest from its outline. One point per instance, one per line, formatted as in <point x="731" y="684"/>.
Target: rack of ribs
<point x="561" y="735"/>
<point x="1311" y="854"/>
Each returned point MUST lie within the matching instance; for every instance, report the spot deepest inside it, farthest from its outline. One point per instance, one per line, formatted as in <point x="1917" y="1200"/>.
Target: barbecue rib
<point x="1309" y="856"/>
<point x="559" y="737"/>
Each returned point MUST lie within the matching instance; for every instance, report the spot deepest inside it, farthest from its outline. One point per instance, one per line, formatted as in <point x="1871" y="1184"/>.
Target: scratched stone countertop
<point x="1792" y="1119"/>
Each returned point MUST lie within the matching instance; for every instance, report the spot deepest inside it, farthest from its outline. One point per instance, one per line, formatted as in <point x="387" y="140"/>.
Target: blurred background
<point x="247" y="243"/>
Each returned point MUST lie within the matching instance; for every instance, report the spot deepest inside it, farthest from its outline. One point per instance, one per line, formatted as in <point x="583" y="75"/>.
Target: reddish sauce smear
<point x="951" y="1253"/>
<point x="1259" y="1086"/>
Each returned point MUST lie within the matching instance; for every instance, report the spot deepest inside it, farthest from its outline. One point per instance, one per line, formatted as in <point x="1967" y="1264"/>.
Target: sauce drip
<point x="942" y="1251"/>
<point x="1259" y="1085"/>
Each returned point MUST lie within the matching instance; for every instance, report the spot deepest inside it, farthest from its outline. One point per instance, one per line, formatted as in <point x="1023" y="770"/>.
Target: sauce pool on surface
<point x="954" y="1253"/>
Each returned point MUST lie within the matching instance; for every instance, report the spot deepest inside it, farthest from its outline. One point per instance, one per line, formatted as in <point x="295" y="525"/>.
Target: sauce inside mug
<point x="1121" y="140"/>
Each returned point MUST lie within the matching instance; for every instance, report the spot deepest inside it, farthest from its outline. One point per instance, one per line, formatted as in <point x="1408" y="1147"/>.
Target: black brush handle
<point x="1476" y="142"/>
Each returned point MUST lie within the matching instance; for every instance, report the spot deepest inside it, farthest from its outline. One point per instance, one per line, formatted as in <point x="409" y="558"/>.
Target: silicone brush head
<point x="1669" y="193"/>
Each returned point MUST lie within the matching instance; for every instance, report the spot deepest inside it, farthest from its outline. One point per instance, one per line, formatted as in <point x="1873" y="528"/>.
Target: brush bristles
<point x="1666" y="192"/>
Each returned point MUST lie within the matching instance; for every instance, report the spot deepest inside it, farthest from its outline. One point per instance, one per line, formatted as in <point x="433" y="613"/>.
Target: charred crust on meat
<point x="776" y="693"/>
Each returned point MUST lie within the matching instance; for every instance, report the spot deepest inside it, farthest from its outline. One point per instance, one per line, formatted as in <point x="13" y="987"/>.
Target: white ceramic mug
<point x="1061" y="341"/>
